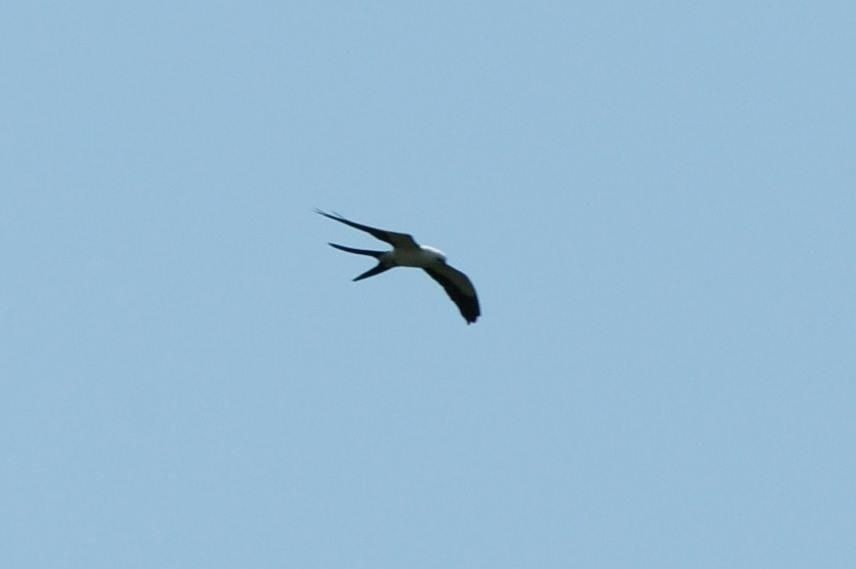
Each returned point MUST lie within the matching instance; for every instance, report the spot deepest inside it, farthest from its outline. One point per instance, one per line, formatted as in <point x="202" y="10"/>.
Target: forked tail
<point x="375" y="254"/>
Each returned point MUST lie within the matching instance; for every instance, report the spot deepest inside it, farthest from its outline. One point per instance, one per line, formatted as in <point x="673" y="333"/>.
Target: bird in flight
<point x="406" y="252"/>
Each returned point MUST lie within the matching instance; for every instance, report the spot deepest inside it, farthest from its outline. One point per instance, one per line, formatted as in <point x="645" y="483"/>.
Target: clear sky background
<point x="655" y="200"/>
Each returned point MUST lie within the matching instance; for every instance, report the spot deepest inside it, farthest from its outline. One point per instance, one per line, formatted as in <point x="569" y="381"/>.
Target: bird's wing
<point x="395" y="239"/>
<point x="459" y="288"/>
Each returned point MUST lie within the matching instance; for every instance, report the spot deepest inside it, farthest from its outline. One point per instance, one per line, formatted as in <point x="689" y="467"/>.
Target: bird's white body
<point x="421" y="257"/>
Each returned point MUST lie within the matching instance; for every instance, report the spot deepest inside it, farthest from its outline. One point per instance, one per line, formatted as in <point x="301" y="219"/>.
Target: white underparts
<point x="412" y="257"/>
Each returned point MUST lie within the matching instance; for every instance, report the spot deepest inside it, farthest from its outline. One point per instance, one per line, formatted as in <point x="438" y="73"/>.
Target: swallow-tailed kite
<point x="407" y="253"/>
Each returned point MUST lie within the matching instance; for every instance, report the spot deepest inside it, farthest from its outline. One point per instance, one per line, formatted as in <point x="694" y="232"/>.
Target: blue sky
<point x="655" y="201"/>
